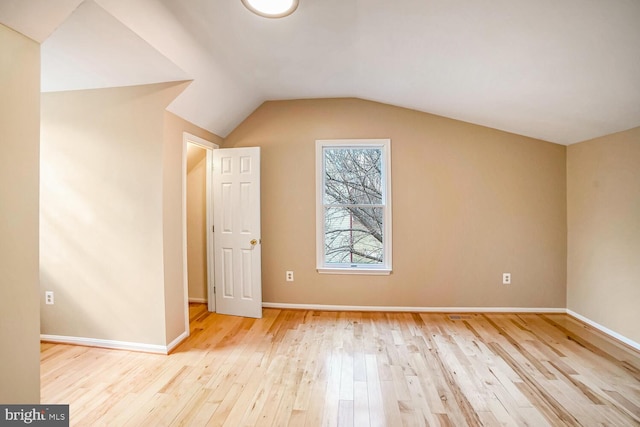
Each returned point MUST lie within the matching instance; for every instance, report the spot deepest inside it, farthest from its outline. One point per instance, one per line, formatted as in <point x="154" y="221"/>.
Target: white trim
<point x="387" y="265"/>
<point x="211" y="303"/>
<point x="173" y="344"/>
<point x="198" y="300"/>
<point x="359" y="270"/>
<point x="199" y="141"/>
<point x="188" y="138"/>
<point x="322" y="307"/>
<point x="605" y="330"/>
<point x="117" y="345"/>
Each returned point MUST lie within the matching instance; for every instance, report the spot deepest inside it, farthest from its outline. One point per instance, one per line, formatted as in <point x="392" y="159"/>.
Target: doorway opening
<point x="197" y="213"/>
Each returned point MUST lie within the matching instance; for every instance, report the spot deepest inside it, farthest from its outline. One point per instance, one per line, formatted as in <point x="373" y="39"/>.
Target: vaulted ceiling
<point x="562" y="71"/>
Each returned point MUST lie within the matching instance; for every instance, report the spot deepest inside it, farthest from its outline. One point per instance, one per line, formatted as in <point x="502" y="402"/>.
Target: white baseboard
<point x="200" y="300"/>
<point x="173" y="344"/>
<point x="118" y="345"/>
<point x="321" y="307"/>
<point x="605" y="330"/>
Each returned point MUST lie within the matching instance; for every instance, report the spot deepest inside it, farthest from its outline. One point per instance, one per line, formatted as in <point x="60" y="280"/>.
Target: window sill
<point x="361" y="270"/>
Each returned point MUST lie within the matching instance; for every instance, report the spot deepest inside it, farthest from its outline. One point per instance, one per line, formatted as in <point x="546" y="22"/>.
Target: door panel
<point x="236" y="218"/>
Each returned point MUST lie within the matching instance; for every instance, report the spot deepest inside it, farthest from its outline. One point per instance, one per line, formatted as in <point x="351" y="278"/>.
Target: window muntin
<point x="354" y="212"/>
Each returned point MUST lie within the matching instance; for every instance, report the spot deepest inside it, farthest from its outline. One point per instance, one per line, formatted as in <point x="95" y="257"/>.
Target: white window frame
<point x="321" y="265"/>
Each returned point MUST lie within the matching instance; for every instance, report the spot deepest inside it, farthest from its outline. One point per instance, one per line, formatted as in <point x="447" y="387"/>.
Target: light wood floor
<point x="364" y="369"/>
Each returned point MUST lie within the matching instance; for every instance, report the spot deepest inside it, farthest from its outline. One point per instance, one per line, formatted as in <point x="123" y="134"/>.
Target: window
<point x="353" y="206"/>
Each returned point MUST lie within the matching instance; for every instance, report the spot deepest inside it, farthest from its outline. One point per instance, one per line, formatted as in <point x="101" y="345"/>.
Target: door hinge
<point x="213" y="229"/>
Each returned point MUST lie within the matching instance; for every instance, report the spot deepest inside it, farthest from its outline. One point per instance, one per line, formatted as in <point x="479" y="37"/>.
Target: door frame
<point x="188" y="138"/>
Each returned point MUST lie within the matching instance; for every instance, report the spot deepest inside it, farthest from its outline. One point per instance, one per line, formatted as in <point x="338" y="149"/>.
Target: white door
<point x="236" y="221"/>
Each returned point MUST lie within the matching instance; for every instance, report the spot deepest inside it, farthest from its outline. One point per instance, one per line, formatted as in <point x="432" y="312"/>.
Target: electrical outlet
<point x="289" y="276"/>
<point x="48" y="297"/>
<point x="506" y="278"/>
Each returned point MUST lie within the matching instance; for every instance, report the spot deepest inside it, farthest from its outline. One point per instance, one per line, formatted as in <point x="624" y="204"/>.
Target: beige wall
<point x="19" y="162"/>
<point x="197" y="223"/>
<point x="102" y="240"/>
<point x="469" y="203"/>
<point x="603" y="186"/>
<point x="173" y="221"/>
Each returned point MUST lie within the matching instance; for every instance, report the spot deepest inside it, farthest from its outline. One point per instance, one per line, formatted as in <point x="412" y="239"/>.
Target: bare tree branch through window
<point x="353" y="204"/>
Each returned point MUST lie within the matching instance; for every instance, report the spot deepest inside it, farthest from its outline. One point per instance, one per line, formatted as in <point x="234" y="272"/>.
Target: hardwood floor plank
<point x="226" y="405"/>
<point x="535" y="361"/>
<point x="428" y="387"/>
<point x="399" y="383"/>
<point x="629" y="367"/>
<point x="374" y="392"/>
<point x="346" y="377"/>
<point x="391" y="404"/>
<point x="632" y="408"/>
<point x="312" y="368"/>
<point x="361" y="404"/>
<point x="451" y="383"/>
<point x="541" y="397"/>
<point x="313" y="372"/>
<point x="420" y="404"/>
<point x="197" y="410"/>
<point x="298" y="418"/>
<point x="332" y="394"/>
<point x="345" y="413"/>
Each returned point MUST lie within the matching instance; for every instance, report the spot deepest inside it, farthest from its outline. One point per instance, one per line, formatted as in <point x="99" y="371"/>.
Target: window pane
<point x="353" y="176"/>
<point x="354" y="235"/>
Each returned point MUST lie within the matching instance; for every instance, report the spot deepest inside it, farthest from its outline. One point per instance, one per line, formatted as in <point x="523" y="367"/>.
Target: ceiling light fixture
<point x="271" y="8"/>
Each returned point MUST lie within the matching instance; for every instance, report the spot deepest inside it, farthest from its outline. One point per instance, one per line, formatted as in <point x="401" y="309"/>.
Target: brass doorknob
<point x="253" y="242"/>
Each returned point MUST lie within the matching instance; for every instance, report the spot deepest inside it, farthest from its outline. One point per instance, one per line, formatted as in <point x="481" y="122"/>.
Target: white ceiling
<point x="71" y="61"/>
<point x="563" y="71"/>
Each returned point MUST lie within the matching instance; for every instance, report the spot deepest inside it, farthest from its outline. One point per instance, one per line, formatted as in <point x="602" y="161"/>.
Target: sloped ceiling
<point x="92" y="49"/>
<point x="559" y="71"/>
<point x="36" y="18"/>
